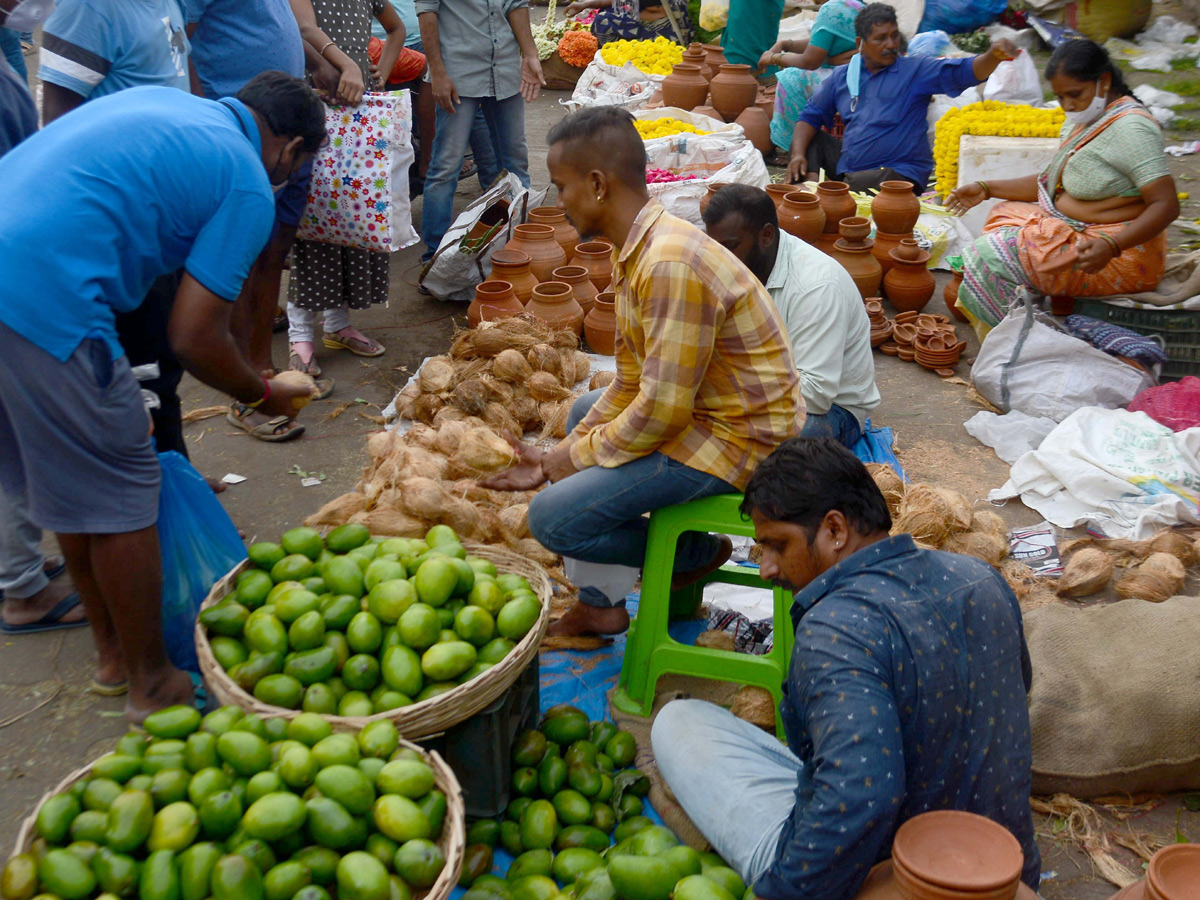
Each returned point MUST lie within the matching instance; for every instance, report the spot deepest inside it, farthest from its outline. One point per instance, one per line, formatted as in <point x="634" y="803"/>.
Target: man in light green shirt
<point x="820" y="305"/>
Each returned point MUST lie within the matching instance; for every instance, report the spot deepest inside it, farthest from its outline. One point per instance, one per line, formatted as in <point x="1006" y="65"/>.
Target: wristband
<point x="328" y="44"/>
<point x="987" y="194"/>
<point x="263" y="399"/>
<point x="1117" y="251"/>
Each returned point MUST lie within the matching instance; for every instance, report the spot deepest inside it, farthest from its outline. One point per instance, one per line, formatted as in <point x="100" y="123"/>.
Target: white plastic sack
<point x="942" y="104"/>
<point x="714" y="14"/>
<point x="1029" y="363"/>
<point x="1011" y="435"/>
<point x="710" y="161"/>
<point x="1167" y="30"/>
<point x="1119" y="471"/>
<point x="1015" y="81"/>
<point x="717" y="130"/>
<point x="602" y="84"/>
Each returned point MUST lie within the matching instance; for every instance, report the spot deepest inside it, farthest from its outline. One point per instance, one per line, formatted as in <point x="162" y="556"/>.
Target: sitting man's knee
<point x="671" y="726"/>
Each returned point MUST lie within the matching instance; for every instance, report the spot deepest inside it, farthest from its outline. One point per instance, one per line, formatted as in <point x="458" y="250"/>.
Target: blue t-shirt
<point x="407" y="11"/>
<point x="18" y="115"/>
<point x="125" y="189"/>
<point x="888" y="127"/>
<point x="98" y="48"/>
<point x="235" y="40"/>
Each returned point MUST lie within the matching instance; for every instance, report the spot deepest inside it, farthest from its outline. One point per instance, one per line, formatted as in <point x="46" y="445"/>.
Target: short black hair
<point x="1085" y="60"/>
<point x="289" y="106"/>
<point x="805" y="478"/>
<point x="753" y="204"/>
<point x="871" y="15"/>
<point x="606" y="138"/>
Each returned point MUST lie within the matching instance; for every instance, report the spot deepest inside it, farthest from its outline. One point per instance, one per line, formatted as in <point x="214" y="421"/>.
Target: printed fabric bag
<point x="359" y="191"/>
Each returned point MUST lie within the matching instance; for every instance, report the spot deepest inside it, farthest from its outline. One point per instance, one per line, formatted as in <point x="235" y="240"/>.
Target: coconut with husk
<point x="980" y="544"/>
<point x="545" y="358"/>
<point x="436" y="375"/>
<point x="337" y="511"/>
<point x="755" y="705"/>
<point x="601" y="379"/>
<point x="1087" y="571"/>
<point x="511" y="365"/>
<point x="1158" y="578"/>
<point x="481" y="450"/>
<point x="471" y="396"/>
<point x="545" y="387"/>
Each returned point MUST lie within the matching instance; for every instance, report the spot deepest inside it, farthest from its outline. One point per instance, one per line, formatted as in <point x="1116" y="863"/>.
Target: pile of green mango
<point x="575" y="795"/>
<point x="236" y="807"/>
<point x="353" y="625"/>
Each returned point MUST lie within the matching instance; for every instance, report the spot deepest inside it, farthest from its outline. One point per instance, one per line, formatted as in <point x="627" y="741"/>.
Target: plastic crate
<point x="1179" y="330"/>
<point x="479" y="749"/>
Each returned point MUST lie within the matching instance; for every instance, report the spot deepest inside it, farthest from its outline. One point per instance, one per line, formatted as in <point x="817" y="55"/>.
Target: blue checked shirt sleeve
<point x="78" y="47"/>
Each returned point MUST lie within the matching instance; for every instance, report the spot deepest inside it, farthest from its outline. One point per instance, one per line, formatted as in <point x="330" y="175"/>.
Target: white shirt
<point x="828" y="326"/>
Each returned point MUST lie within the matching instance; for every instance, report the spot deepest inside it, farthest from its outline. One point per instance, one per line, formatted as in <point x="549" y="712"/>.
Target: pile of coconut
<point x="1153" y="569"/>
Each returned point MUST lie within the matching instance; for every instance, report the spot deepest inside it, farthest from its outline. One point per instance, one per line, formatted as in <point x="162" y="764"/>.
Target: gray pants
<point x="21" y="572"/>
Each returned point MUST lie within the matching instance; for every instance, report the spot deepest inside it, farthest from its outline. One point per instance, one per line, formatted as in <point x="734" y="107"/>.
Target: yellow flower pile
<point x="990" y="117"/>
<point x="656" y="57"/>
<point x="664" y="127"/>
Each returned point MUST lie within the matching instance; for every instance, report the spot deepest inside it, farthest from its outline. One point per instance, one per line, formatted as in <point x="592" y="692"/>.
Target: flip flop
<point x="50" y="621"/>
<point x="369" y="347"/>
<point x="116" y="689"/>
<point x="324" y="388"/>
<point x="267" y="431"/>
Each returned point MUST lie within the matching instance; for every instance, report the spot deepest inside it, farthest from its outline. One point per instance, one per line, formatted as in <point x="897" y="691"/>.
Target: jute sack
<point x="1115" y="705"/>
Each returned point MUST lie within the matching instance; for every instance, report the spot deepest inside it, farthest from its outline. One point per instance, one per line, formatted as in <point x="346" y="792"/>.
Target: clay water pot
<point x="884" y="245"/>
<point x="862" y="266"/>
<point x="733" y="88"/>
<point x="909" y="284"/>
<point x="600" y="326"/>
<point x="950" y="295"/>
<point x="581" y="286"/>
<point x="695" y="55"/>
<point x="895" y="208"/>
<point x="767" y="105"/>
<point x="908" y="250"/>
<point x="537" y="242"/>
<point x="554" y="303"/>
<point x="837" y="203"/>
<point x="708" y="194"/>
<point x="757" y="125"/>
<point x="493" y="300"/>
<point x="685" y="87"/>
<point x="513" y="266"/>
<point x="1173" y="873"/>
<point x="800" y="215"/>
<point x="855" y="229"/>
<point x="826" y="240"/>
<point x="596" y="257"/>
<point x="778" y="191"/>
<point x="708" y="111"/>
<point x="564" y="232"/>
<point x="714" y="55"/>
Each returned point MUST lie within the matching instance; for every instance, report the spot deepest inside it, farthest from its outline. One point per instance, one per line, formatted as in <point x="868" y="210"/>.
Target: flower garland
<point x="664" y="127"/>
<point x="990" y="117"/>
<point x="666" y="176"/>
<point x="547" y="34"/>
<point x="656" y="57"/>
<point x="578" y="48"/>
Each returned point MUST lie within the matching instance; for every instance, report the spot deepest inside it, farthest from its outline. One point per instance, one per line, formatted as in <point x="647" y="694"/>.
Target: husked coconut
<point x="554" y="419"/>
<point x="987" y="521"/>
<point x="543" y="387"/>
<point x="470" y="396"/>
<point x="515" y="520"/>
<point x="601" y="379"/>
<point x="525" y="410"/>
<point x="510" y="365"/>
<point x="391" y="522"/>
<point x="755" y="705"/>
<point x="337" y="511"/>
<point x="482" y="450"/>
<point x="437" y="375"/>
<point x="1176" y="544"/>
<point x="425" y="407"/>
<point x="980" y="544"/>
<point x="449" y="435"/>
<point x="424" y="498"/>
<point x="544" y="358"/>
<point x="1086" y="572"/>
<point x="500" y="420"/>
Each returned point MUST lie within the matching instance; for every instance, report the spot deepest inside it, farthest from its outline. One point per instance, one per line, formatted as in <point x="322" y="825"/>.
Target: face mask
<point x="1093" y="111"/>
<point x="27" y="15"/>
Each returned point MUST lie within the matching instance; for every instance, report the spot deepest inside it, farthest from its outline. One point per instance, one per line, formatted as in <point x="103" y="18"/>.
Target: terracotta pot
<point x="948" y="854"/>
<point x="855" y="228"/>
<point x="837" y="203"/>
<point x="862" y="266"/>
<point x="708" y="111"/>
<point x="600" y="326"/>
<point x="581" y="286"/>
<point x="493" y="300"/>
<point x="884" y="245"/>
<point x="596" y="257"/>
<point x="1172" y="875"/>
<point x="778" y="191"/>
<point x="554" y="303"/>
<point x="908" y="249"/>
<point x="708" y="194"/>
<point x="950" y="295"/>
<point x="695" y="55"/>
<point x="564" y="232"/>
<point x="513" y="266"/>
<point x="714" y="55"/>
<point x="909" y="284"/>
<point x="685" y="87"/>
<point x="767" y="105"/>
<point x="801" y="215"/>
<point x="895" y="208"/>
<point x="757" y="125"/>
<point x="874" y="307"/>
<point x="826" y="240"/>
<point x="538" y="243"/>
<point x="733" y="89"/>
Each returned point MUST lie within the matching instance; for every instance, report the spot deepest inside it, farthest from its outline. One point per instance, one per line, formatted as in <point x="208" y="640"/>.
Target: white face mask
<point x="1092" y="112"/>
<point x="27" y="15"/>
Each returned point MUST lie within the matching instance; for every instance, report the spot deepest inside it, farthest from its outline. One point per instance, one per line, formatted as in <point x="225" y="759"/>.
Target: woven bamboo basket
<point x="429" y="717"/>
<point x="452" y="841"/>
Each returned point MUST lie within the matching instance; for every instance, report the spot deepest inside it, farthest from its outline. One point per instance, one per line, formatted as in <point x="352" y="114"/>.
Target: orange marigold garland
<point x="578" y="48"/>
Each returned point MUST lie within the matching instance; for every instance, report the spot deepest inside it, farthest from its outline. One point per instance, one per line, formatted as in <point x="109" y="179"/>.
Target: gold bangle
<point x="1117" y="250"/>
<point x="987" y="194"/>
<point x="328" y="44"/>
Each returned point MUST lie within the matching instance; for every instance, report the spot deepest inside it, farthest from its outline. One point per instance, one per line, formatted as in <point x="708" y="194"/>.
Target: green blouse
<point x="1118" y="162"/>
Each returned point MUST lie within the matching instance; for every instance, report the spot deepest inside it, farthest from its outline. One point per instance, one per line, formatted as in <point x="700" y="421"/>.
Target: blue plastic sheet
<point x="957" y="16"/>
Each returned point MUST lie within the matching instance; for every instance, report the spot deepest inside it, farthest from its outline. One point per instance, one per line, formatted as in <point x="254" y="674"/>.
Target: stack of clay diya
<point x="881" y="325"/>
<point x="929" y="340"/>
<point x="853" y="251"/>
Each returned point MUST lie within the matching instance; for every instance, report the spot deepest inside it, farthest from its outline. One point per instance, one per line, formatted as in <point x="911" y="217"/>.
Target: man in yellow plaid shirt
<point x="705" y="386"/>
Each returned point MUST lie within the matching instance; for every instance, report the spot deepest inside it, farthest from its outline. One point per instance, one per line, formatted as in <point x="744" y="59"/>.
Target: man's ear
<point x="295" y="145"/>
<point x="767" y="235"/>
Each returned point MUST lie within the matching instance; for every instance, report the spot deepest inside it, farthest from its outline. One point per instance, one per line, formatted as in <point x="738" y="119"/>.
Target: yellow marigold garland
<point x="991" y="117"/>
<point x="664" y="127"/>
<point x="656" y="57"/>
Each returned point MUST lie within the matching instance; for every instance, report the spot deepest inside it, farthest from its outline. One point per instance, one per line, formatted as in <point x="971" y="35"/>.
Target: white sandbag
<point x="718" y="130"/>
<point x="711" y="161"/>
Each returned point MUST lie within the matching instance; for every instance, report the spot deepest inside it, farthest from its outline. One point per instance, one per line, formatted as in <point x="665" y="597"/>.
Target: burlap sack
<point x="1115" y="705"/>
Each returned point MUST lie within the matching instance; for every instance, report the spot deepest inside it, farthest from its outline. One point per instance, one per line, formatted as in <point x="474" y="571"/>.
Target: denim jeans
<point x="505" y="120"/>
<point x="10" y="46"/>
<point x="597" y="515"/>
<point x="838" y="424"/>
<point x="698" y="746"/>
<point x="21" y="572"/>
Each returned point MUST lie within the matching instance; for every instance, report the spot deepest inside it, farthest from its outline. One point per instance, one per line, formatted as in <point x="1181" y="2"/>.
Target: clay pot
<point x="903" y="334"/>
<point x="513" y="266"/>
<point x="695" y="55"/>
<point x="708" y="194"/>
<point x="947" y="854"/>
<point x="950" y="295"/>
<point x="855" y="229"/>
<point x="685" y="87"/>
<point x="757" y="125"/>
<point x="801" y="215"/>
<point x="493" y="300"/>
<point x="596" y="257"/>
<point x="600" y="326"/>
<point x="766" y="105"/>
<point x="862" y="266"/>
<point x="826" y="240"/>
<point x="538" y="243"/>
<point x="778" y="191"/>
<point x="708" y="111"/>
<point x="908" y="250"/>
<point x="554" y="303"/>
<point x="714" y="55"/>
<point x="733" y="89"/>
<point x="909" y="284"/>
<point x="884" y="245"/>
<point x="895" y="208"/>
<point x="581" y="286"/>
<point x="1173" y="873"/>
<point x="836" y="201"/>
<point x="564" y="232"/>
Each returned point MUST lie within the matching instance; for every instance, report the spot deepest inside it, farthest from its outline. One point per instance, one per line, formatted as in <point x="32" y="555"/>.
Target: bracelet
<point x="987" y="194"/>
<point x="778" y="57"/>
<point x="1117" y="251"/>
<point x="263" y="399"/>
<point x="328" y="44"/>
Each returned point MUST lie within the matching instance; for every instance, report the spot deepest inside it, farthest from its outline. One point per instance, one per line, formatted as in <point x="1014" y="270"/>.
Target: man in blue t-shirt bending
<point x="100" y="203"/>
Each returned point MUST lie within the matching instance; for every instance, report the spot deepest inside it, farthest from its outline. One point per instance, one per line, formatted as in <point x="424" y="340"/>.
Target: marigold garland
<point x="577" y="48"/>
<point x="664" y="127"/>
<point x="656" y="57"/>
<point x="990" y="117"/>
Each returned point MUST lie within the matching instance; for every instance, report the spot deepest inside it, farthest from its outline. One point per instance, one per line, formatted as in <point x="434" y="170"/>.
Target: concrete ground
<point x="50" y="724"/>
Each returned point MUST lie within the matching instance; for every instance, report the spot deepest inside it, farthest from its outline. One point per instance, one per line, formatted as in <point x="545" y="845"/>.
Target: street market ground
<point x="50" y="724"/>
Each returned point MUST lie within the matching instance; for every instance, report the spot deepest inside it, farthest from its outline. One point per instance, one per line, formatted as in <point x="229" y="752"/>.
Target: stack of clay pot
<point x="894" y="210"/>
<point x="853" y="251"/>
<point x="881" y="325"/>
<point x="835" y="199"/>
<point x="929" y="340"/>
<point x="909" y="284"/>
<point x="799" y="213"/>
<point x="1173" y="874"/>
<point x="600" y="326"/>
<point x="705" y="83"/>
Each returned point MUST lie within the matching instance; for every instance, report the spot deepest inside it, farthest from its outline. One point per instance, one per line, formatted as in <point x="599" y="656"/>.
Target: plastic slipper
<point x="50" y="621"/>
<point x="116" y="689"/>
<point x="200" y="698"/>
<point x="369" y="347"/>
<point x="468" y="169"/>
<point x="268" y="431"/>
<point x="324" y="388"/>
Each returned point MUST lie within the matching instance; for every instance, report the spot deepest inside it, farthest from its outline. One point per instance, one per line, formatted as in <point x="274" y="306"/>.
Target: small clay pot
<point x="874" y="308"/>
<point x="908" y="250"/>
<point x="596" y="257"/>
<point x="801" y="215"/>
<point x="1174" y="872"/>
<point x="493" y="300"/>
<point x="837" y="203"/>
<point x="855" y="228"/>
<point x="950" y="854"/>
<point x="685" y="87"/>
<point x="538" y="243"/>
<point x="581" y="285"/>
<point x="895" y="208"/>
<point x="778" y="191"/>
<point x="903" y="334"/>
<point x="708" y="194"/>
<point x="513" y="266"/>
<point x="564" y="232"/>
<point x="757" y="125"/>
<point x="708" y="111"/>
<point x="733" y="88"/>
<point x="714" y="55"/>
<point x="909" y="284"/>
<point x="950" y="295"/>
<point x="861" y="265"/>
<point x="554" y="303"/>
<point x="885" y="243"/>
<point x="600" y="326"/>
<point x="767" y="105"/>
<point x="695" y="55"/>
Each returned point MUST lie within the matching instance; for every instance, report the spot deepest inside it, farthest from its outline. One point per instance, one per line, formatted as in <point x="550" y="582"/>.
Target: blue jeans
<point x="10" y="46"/>
<point x="505" y="122"/>
<point x="698" y="745"/>
<point x="597" y="515"/>
<point x="838" y="424"/>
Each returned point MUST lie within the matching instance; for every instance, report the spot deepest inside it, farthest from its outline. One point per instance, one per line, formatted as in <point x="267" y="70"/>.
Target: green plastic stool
<point x="650" y="652"/>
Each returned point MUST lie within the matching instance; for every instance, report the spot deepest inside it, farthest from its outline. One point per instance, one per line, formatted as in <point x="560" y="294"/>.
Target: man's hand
<point x="526" y="475"/>
<point x="445" y="94"/>
<point x="325" y="78"/>
<point x="282" y="395"/>
<point x="1093" y="255"/>
<point x="532" y="78"/>
<point x="797" y="169"/>
<point x="1003" y="50"/>
<point x="350" y="86"/>
<point x="557" y="464"/>
<point x="964" y="198"/>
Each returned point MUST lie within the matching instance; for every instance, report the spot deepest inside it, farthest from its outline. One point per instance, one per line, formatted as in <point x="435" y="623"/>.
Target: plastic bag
<point x="1015" y="81"/>
<point x="602" y="84"/>
<point x="930" y="43"/>
<point x="711" y="159"/>
<point x="199" y="545"/>
<point x="957" y="16"/>
<point x="714" y="14"/>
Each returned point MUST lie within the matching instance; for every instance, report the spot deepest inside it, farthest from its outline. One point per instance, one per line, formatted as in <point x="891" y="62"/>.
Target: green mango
<point x="196" y="865"/>
<point x="265" y="632"/>
<point x="347" y="785"/>
<point x="248" y="674"/>
<point x="245" y="753"/>
<point x="205" y="783"/>
<point x="477" y="861"/>
<point x="298" y="767"/>
<point x="488" y="887"/>
<point x="728" y="879"/>
<point x="115" y="872"/>
<point x="552" y="775"/>
<point x="566" y="726"/>
<point x="572" y="807"/>
<point x="641" y="877"/>
<point x="700" y="887"/>
<point x="169" y="786"/>
<point x="340" y="611"/>
<point x="117" y="767"/>
<point x="603" y="817"/>
<point x="573" y="862"/>
<point x="533" y="887"/>
<point x="516" y="808"/>
<point x="631" y="826"/>
<point x="510" y="838"/>
<point x="581" y="836"/>
<point x="399" y="818"/>
<point x="65" y="875"/>
<point x="621" y="749"/>
<point x="433" y="805"/>
<point x="445" y="662"/>
<point x="329" y="824"/>
<point x="175" y="827"/>
<point x="257" y="851"/>
<point x="55" y="816"/>
<point x="409" y="778"/>
<point x="263" y="783"/>
<point x="18" y="880"/>
<point x="378" y="739"/>
<point x="225" y="619"/>
<point x="220" y="720"/>
<point x="321" y="861"/>
<point x="235" y="877"/>
<point x="220" y="813"/>
<point x="652" y="841"/>
<point x="360" y="876"/>
<point x="274" y="816"/>
<point x="130" y="819"/>
<point x="100" y="793"/>
<point x="337" y="749"/>
<point x="484" y="831"/>
<point x="90" y="825"/>
<point x="419" y="862"/>
<point x="283" y="881"/>
<point x="200" y="751"/>
<point x="159" y="877"/>
<point x="531" y="862"/>
<point x="595" y="884"/>
<point x="539" y="825"/>
<point x="685" y="860"/>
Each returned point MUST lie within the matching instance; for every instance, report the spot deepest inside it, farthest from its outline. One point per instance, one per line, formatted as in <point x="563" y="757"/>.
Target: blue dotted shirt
<point x="906" y="693"/>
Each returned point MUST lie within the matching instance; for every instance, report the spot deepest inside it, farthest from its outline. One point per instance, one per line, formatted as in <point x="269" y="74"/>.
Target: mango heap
<point x="664" y="127"/>
<point x="656" y="57"/>
<point x="235" y="807"/>
<point x="990" y="117"/>
<point x="354" y="626"/>
<point x="574" y="795"/>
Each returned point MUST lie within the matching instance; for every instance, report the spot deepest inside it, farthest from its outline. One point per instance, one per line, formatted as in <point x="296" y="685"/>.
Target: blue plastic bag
<point x="957" y="16"/>
<point x="930" y="43"/>
<point x="199" y="543"/>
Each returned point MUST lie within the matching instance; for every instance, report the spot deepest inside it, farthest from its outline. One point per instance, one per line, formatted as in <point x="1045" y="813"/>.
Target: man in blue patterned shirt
<point x="906" y="693"/>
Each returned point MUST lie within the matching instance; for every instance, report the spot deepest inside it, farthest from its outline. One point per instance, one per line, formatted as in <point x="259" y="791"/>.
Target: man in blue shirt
<point x="91" y="219"/>
<point x="883" y="98"/>
<point x="906" y="693"/>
